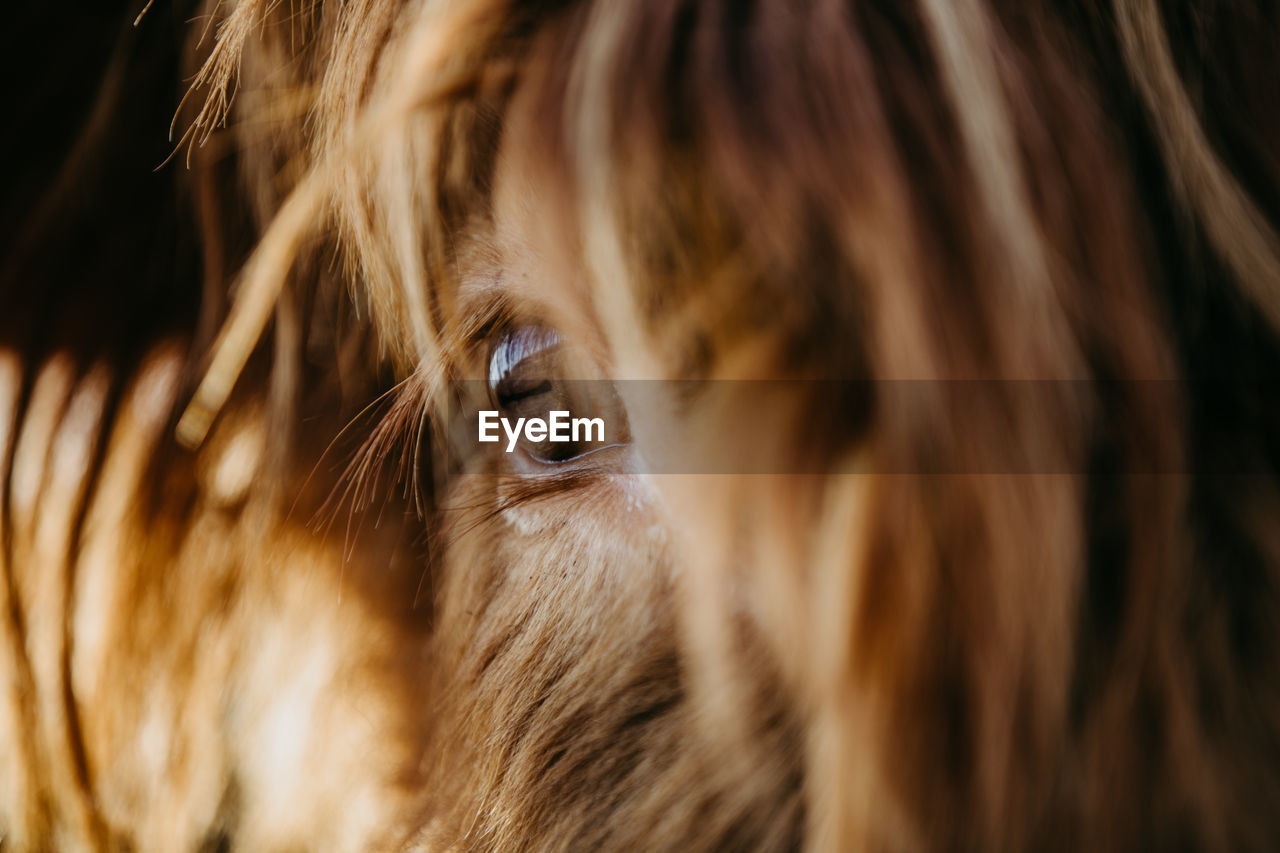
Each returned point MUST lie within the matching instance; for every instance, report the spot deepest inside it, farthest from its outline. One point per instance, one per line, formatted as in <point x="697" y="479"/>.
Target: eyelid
<point x="515" y="346"/>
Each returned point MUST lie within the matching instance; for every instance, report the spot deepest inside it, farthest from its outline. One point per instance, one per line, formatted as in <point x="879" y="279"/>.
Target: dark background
<point x="97" y="249"/>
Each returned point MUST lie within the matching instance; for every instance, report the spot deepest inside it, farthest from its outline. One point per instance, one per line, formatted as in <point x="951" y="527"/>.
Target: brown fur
<point x="1014" y="266"/>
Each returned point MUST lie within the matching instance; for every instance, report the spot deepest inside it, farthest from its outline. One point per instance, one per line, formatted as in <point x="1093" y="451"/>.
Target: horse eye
<point x="521" y="361"/>
<point x="561" y="404"/>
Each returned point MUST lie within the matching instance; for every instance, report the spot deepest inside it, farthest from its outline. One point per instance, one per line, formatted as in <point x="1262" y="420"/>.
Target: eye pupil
<point x="529" y="378"/>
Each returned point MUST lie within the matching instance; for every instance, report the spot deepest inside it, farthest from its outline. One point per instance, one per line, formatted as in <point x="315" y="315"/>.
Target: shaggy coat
<point x="944" y="333"/>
